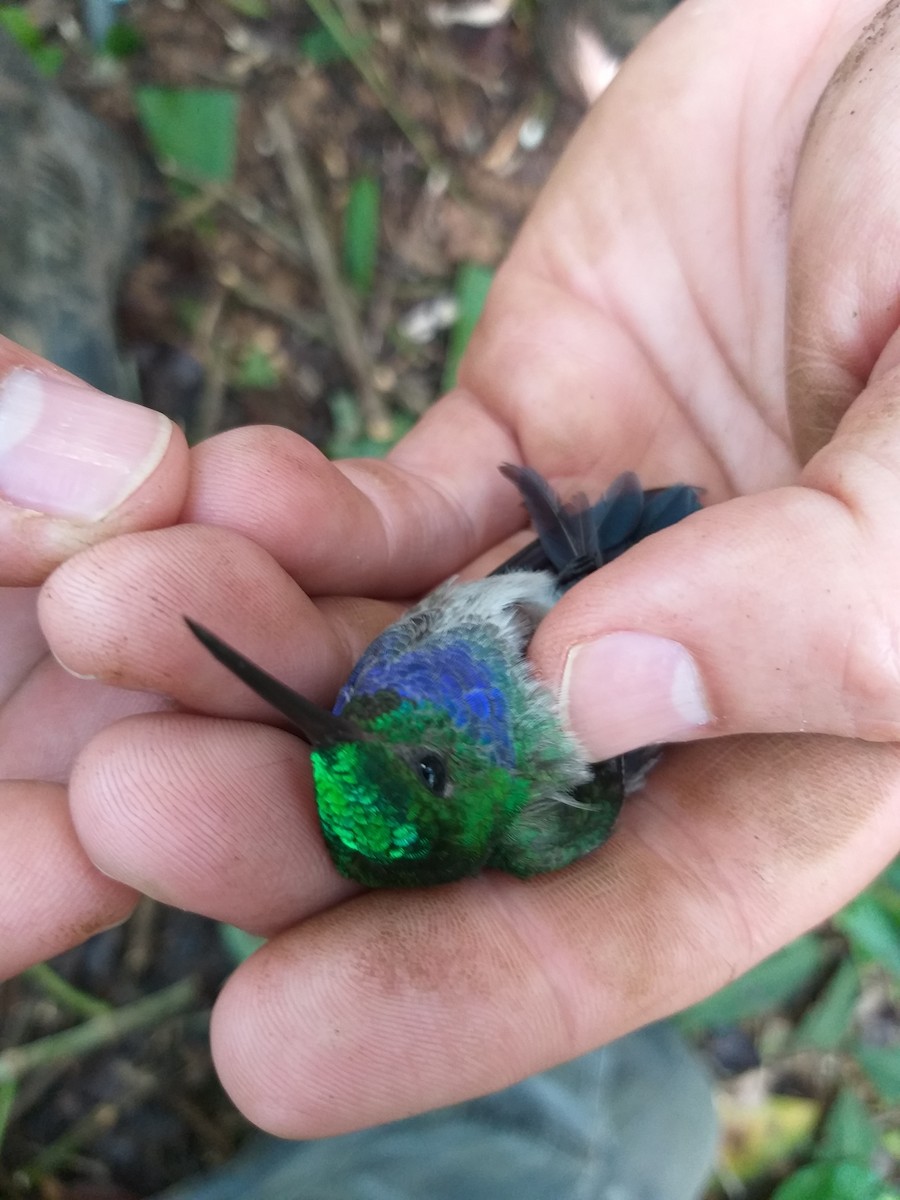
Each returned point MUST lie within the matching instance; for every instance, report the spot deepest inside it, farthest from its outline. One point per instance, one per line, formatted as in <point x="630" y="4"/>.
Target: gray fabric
<point x="633" y="1121"/>
<point x="68" y="194"/>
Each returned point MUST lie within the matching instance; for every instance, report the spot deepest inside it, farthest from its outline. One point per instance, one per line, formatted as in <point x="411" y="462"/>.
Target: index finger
<point x="364" y="526"/>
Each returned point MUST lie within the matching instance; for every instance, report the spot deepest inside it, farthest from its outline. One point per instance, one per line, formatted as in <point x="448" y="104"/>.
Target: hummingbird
<point x="443" y="754"/>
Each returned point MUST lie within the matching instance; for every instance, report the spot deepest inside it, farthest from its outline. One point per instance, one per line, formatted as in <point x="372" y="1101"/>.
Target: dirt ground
<point x="226" y="277"/>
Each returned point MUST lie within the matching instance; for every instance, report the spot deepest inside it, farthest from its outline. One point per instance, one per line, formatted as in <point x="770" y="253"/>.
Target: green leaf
<point x="321" y="46"/>
<point x="882" y="1065"/>
<point x="826" y="1023"/>
<point x="239" y="944"/>
<point x="255" y="370"/>
<point x="762" y="989"/>
<point x="122" y="40"/>
<point x="256" y="10"/>
<point x="48" y="59"/>
<point x="83" y="1004"/>
<point x="188" y="311"/>
<point x="886" y="890"/>
<point x="361" y="227"/>
<point x="194" y="128"/>
<point x="349" y="439"/>
<point x="473" y="282"/>
<point x="848" y="1131"/>
<point x="20" y="27"/>
<point x="7" y="1097"/>
<point x="891" y="877"/>
<point x="833" y="1181"/>
<point x="871" y="931"/>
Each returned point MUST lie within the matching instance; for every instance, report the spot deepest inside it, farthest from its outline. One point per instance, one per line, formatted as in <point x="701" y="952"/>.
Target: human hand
<point x="639" y="323"/>
<point x="75" y="467"/>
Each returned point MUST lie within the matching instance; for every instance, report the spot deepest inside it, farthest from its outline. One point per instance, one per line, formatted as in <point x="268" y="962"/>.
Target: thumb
<point x="768" y="613"/>
<point x="76" y="467"/>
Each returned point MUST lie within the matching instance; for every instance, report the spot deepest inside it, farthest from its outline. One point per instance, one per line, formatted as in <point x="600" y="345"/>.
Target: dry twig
<point x="98" y="1031"/>
<point x="348" y="331"/>
<point x="208" y="416"/>
<point x="207" y="195"/>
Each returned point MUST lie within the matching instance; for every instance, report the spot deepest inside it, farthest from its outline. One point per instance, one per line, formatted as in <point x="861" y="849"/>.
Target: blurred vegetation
<point x="817" y="1114"/>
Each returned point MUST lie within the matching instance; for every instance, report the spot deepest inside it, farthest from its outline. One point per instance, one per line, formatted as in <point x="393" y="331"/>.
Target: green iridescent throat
<point x="382" y="825"/>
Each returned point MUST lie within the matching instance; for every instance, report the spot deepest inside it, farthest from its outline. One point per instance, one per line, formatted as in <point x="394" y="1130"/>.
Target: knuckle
<point x="870" y="681"/>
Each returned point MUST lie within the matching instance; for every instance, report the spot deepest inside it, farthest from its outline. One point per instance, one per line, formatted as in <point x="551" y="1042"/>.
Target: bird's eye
<point x="432" y="771"/>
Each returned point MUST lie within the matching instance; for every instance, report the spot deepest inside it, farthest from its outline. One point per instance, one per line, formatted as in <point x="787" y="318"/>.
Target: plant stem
<point x="98" y="1031"/>
<point x="64" y="993"/>
<point x="417" y="137"/>
<point x="348" y="332"/>
<point x="7" y="1096"/>
<point x="99" y="1120"/>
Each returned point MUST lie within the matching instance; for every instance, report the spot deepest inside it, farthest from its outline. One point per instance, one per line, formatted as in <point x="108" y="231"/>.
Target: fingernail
<point x="631" y="689"/>
<point x="69" y="451"/>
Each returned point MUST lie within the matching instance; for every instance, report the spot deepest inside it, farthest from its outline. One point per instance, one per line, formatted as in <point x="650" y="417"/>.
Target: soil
<point x="225" y="276"/>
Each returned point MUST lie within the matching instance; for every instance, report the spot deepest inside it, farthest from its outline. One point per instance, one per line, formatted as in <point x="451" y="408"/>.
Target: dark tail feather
<point x="618" y="511"/>
<point x="566" y="532"/>
<point x="575" y="539"/>
<point x="667" y="506"/>
<point x="660" y="508"/>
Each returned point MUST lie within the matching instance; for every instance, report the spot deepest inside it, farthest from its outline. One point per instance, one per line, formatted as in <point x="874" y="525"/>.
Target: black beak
<point x="317" y="726"/>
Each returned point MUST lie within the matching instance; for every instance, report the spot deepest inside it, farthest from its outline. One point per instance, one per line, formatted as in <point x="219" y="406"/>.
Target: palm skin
<point x="638" y="324"/>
